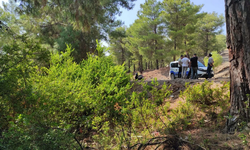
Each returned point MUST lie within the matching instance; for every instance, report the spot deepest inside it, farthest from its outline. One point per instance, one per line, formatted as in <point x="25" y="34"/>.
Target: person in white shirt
<point x="180" y="66"/>
<point x="185" y="64"/>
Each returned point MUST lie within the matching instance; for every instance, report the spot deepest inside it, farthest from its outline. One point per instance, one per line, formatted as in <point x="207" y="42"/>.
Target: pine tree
<point x="72" y="22"/>
<point x="146" y="35"/>
<point x="209" y="27"/>
<point x="151" y="32"/>
<point x="180" y="17"/>
<point x="133" y="44"/>
<point x="83" y="14"/>
<point x="118" y="49"/>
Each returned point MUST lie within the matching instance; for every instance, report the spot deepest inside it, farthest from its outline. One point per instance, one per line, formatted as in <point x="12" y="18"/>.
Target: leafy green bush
<point x="209" y="99"/>
<point x="216" y="57"/>
<point x="71" y="105"/>
<point x="181" y="116"/>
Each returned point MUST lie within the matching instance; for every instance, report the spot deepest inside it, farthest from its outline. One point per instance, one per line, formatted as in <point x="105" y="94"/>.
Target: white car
<point x="174" y="70"/>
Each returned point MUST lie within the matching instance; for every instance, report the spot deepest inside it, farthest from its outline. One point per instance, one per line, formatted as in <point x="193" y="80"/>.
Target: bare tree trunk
<point x="188" y="56"/>
<point x="157" y="64"/>
<point x="205" y="53"/>
<point x="146" y="66"/>
<point x="238" y="43"/>
<point x="123" y="56"/>
<point x="134" y="67"/>
<point x="175" y="46"/>
<point x="141" y="67"/>
<point x="187" y="53"/>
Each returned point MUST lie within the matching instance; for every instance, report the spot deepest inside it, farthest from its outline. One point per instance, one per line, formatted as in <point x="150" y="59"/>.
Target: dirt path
<point x="223" y="69"/>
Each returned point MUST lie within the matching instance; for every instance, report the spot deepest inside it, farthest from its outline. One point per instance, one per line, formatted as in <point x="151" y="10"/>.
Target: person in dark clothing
<point x="210" y="65"/>
<point x="194" y="67"/>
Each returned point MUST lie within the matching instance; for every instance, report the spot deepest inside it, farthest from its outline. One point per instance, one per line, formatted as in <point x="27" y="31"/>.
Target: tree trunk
<point x="141" y="67"/>
<point x="175" y="50"/>
<point x="152" y="65"/>
<point x="205" y="53"/>
<point x="157" y="64"/>
<point x="134" y="67"/>
<point x="146" y="66"/>
<point x="187" y="55"/>
<point x="123" y="56"/>
<point x="238" y="44"/>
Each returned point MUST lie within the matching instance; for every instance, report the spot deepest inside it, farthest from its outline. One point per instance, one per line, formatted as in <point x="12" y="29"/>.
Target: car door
<point x="174" y="68"/>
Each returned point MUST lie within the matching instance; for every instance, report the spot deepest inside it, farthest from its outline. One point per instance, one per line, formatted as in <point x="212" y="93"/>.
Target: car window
<point x="174" y="65"/>
<point x="200" y="64"/>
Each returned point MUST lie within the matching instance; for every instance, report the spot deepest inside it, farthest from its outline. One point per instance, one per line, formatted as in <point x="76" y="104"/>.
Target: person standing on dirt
<point x="194" y="66"/>
<point x="210" y="65"/>
<point x="180" y="67"/>
<point x="185" y="64"/>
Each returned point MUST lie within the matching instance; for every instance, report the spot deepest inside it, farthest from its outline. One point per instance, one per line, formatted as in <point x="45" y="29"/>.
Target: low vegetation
<point x="60" y="96"/>
<point x="94" y="104"/>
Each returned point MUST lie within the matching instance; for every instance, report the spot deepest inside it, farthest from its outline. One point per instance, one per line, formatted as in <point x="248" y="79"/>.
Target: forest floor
<point x="211" y="137"/>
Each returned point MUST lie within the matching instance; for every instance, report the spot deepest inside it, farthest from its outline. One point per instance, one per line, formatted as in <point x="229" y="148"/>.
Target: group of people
<point x="192" y="63"/>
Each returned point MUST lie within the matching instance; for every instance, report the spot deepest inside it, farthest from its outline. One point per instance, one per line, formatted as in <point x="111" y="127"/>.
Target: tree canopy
<point x="168" y="29"/>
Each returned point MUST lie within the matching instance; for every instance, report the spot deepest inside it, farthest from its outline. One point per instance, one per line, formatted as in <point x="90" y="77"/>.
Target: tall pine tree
<point x="151" y="32"/>
<point x="208" y="28"/>
<point x="118" y="49"/>
<point x="180" y="17"/>
<point x="147" y="34"/>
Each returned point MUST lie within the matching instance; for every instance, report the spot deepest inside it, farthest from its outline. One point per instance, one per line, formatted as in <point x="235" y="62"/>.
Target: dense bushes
<point x="91" y="104"/>
<point x="67" y="97"/>
<point x="211" y="100"/>
<point x="48" y="108"/>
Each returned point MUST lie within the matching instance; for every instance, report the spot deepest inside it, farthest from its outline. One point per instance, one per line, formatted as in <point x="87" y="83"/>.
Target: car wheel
<point x="172" y="77"/>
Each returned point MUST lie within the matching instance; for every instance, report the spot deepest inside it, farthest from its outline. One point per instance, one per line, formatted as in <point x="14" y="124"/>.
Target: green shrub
<point x="209" y="99"/>
<point x="56" y="107"/>
<point x="181" y="116"/>
<point x="75" y="98"/>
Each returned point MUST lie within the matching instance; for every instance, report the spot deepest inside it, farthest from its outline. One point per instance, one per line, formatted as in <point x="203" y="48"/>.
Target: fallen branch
<point x="172" y="141"/>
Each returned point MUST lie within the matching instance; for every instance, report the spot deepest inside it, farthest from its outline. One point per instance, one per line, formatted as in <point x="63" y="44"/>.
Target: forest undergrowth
<point x="94" y="105"/>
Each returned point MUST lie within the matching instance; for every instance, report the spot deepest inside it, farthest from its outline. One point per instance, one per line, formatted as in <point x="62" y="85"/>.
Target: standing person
<point x="185" y="63"/>
<point x="194" y="66"/>
<point x="210" y="65"/>
<point x="180" y="67"/>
